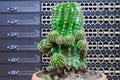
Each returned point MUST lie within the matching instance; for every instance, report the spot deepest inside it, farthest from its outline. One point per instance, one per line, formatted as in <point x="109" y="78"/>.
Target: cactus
<point x="67" y="42"/>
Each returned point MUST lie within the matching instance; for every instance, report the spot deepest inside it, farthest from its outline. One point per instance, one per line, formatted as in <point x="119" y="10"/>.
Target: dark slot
<point x="90" y="34"/>
<point x="44" y="17"/>
<point x="86" y="17"/>
<point x="106" y="22"/>
<point x="48" y="9"/>
<point x="48" y="17"/>
<point x="82" y="4"/>
<point x="111" y="4"/>
<point x="86" y="22"/>
<point x="106" y="3"/>
<point x="101" y="4"/>
<point x="44" y="9"/>
<point x="100" y="35"/>
<point x="90" y="17"/>
<point x="100" y="48"/>
<point x="44" y="4"/>
<point x="117" y="9"/>
<point x="44" y="22"/>
<point x="94" y="4"/>
<point x="90" y="47"/>
<point x="100" y="43"/>
<point x="90" y="22"/>
<point x="94" y="43"/>
<point x="90" y="30"/>
<point x="44" y="34"/>
<point x="86" y="9"/>
<point x="111" y="22"/>
<point x="86" y="4"/>
<point x="43" y="30"/>
<point x="90" y="4"/>
<point x="111" y="8"/>
<point x="101" y="8"/>
<point x="48" y="4"/>
<point x="90" y="8"/>
<point x="48" y="22"/>
<point x="94" y="8"/>
<point x="48" y="30"/>
<point x="52" y="4"/>
<point x="94" y="22"/>
<point x="101" y="22"/>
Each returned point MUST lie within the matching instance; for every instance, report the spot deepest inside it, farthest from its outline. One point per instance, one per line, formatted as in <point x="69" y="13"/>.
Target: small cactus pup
<point x="66" y="44"/>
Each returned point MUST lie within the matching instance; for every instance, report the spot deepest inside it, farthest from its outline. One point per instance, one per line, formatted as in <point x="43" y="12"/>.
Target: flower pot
<point x="37" y="76"/>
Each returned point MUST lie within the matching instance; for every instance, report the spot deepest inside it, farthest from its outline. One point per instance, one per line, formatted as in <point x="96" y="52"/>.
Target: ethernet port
<point x="44" y="9"/>
<point x="86" y="30"/>
<point x="44" y="22"/>
<point x="94" y="22"/>
<point x="48" y="9"/>
<point x="117" y="22"/>
<point x="90" y="4"/>
<point x="90" y="8"/>
<point x="106" y="3"/>
<point x="89" y="47"/>
<point x="44" y="35"/>
<point x="111" y="22"/>
<point x="86" y="22"/>
<point x="86" y="9"/>
<point x="86" y="17"/>
<point x="100" y="22"/>
<point x="94" y="17"/>
<point x="94" y="47"/>
<point x="106" y="8"/>
<point x="101" y="8"/>
<point x="117" y="9"/>
<point x="48" y="30"/>
<point x="48" y="17"/>
<point x="82" y="4"/>
<point x="90" y="21"/>
<point x="94" y="8"/>
<point x="94" y="4"/>
<point x="48" y="22"/>
<point x="106" y="22"/>
<point x="43" y="4"/>
<point x="94" y="43"/>
<point x="44" y="17"/>
<point x="111" y="8"/>
<point x="48" y="4"/>
<point x="52" y="4"/>
<point x="100" y="4"/>
<point x="86" y="4"/>
<point x="43" y="30"/>
<point x="90" y="43"/>
<point x="111" y="4"/>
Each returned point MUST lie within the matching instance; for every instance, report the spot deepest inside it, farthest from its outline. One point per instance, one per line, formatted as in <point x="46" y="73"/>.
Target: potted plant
<point x="67" y="46"/>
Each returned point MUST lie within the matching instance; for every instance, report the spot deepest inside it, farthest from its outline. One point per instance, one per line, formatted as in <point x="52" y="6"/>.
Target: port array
<point x="92" y="58"/>
<point x="109" y="71"/>
<point x="91" y="19"/>
<point x="106" y="45"/>
<point x="92" y="32"/>
<point x="45" y="31"/>
<point x="88" y="6"/>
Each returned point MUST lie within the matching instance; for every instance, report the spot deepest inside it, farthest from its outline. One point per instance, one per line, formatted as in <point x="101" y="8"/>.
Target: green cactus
<point x="47" y="77"/>
<point x="57" y="60"/>
<point x="69" y="45"/>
